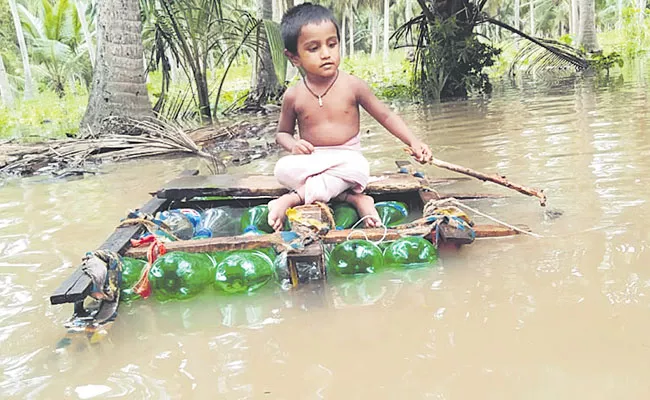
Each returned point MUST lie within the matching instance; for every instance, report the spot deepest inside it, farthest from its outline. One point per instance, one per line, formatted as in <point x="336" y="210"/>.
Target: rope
<point x="151" y="226"/>
<point x="364" y="234"/>
<point x="432" y="204"/>
<point x="328" y="213"/>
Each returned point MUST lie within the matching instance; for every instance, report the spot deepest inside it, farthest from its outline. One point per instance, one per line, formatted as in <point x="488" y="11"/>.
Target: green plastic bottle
<point x="243" y="271"/>
<point x="256" y="218"/>
<point x="131" y="271"/>
<point x="180" y="276"/>
<point x="345" y="215"/>
<point x="355" y="257"/>
<point x="392" y="213"/>
<point x="410" y="252"/>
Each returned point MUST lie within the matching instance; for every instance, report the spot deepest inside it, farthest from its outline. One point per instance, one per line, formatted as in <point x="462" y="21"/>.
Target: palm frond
<point x="533" y="58"/>
<point x="276" y="47"/>
<point x="543" y="53"/>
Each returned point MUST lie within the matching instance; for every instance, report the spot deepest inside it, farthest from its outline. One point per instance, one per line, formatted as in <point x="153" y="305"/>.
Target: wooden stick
<point x="501" y="180"/>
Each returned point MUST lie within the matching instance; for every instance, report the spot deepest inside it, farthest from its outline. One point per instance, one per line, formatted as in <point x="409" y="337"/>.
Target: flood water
<point x="564" y="316"/>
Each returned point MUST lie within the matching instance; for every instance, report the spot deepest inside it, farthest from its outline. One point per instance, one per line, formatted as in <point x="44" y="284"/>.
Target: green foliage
<point x="49" y="116"/>
<point x="192" y="32"/>
<point x="452" y="62"/>
<point x="390" y="79"/>
<point x="600" y="61"/>
<point x="566" y="39"/>
<point x="7" y="32"/>
<point x="54" y="38"/>
<point x="632" y="39"/>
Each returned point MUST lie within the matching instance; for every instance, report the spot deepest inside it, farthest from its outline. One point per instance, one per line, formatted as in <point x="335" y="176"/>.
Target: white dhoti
<point x="325" y="173"/>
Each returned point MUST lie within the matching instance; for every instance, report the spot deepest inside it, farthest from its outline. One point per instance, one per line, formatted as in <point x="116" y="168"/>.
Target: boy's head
<point x="297" y="17"/>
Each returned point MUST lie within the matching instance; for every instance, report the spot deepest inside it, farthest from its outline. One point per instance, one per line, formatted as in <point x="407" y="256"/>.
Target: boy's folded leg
<point x="323" y="187"/>
<point x="294" y="170"/>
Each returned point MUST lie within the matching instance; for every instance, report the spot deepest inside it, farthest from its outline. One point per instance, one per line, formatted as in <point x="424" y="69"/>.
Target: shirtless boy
<point x="326" y="160"/>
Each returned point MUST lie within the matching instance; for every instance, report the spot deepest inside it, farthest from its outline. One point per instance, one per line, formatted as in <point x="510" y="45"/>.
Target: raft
<point x="191" y="190"/>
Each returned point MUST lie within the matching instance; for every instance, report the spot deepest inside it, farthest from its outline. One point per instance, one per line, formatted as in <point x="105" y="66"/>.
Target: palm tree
<point x="386" y="26"/>
<point x="5" y="89"/>
<point x="265" y="84"/>
<point x="118" y="85"/>
<point x="29" y="83"/>
<point x="194" y="31"/>
<point x="587" y="28"/>
<point x="574" y="25"/>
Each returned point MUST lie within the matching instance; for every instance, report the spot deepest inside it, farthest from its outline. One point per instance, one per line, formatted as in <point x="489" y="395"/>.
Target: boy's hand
<point x="421" y="152"/>
<point x="302" y="147"/>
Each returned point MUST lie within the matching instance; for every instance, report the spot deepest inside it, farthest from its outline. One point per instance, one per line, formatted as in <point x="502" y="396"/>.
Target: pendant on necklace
<point x="320" y="101"/>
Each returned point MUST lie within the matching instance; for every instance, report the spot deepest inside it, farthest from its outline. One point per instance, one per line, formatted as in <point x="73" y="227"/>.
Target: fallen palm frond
<point x="156" y="138"/>
<point x="543" y="53"/>
<point x="533" y="59"/>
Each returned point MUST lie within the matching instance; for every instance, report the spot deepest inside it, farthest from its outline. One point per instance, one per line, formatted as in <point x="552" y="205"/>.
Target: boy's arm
<point x="390" y="120"/>
<point x="287" y="122"/>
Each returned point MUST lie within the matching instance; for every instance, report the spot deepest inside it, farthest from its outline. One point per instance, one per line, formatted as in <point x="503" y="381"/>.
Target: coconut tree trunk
<point x="517" y="14"/>
<point x="343" y="36"/>
<point x="587" y="27"/>
<point x="29" y="82"/>
<point x="408" y="10"/>
<point x="575" y="18"/>
<point x="81" y="11"/>
<point x="265" y="84"/>
<point x="374" y="31"/>
<point x="5" y="89"/>
<point x="386" y="27"/>
<point x="641" y="5"/>
<point x="118" y="86"/>
<point x="351" y="22"/>
<point x="277" y="10"/>
<point x="531" y="14"/>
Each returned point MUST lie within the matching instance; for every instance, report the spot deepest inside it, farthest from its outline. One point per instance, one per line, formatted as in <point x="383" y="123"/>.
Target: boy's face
<point x="318" y="49"/>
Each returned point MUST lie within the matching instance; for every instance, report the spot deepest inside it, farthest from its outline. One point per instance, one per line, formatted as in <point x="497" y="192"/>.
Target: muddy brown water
<point x="565" y="316"/>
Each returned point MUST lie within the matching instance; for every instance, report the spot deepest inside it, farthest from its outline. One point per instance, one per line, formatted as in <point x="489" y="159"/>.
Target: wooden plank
<point x="267" y="186"/>
<point x="59" y="295"/>
<point x="78" y="285"/>
<point x="332" y="237"/>
<point x="488" y="231"/>
<point x="212" y="244"/>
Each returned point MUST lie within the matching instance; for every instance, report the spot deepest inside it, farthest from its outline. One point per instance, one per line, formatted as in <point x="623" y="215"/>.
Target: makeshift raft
<point x="202" y="192"/>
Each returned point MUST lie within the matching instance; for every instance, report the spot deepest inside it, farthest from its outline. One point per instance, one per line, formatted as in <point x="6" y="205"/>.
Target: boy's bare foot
<point x="279" y="207"/>
<point x="365" y="206"/>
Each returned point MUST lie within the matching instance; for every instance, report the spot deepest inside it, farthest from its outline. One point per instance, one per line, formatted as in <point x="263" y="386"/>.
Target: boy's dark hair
<point x="296" y="17"/>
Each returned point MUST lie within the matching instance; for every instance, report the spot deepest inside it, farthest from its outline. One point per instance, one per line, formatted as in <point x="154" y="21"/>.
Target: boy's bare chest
<point x="337" y="105"/>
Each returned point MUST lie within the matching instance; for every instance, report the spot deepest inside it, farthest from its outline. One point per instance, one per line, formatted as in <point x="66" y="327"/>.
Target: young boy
<point x="326" y="160"/>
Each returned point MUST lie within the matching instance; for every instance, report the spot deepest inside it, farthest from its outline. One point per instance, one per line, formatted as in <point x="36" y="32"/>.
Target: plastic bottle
<point x="256" y="218"/>
<point x="131" y="270"/>
<point x="391" y="213"/>
<point x="410" y="252"/>
<point x="213" y="221"/>
<point x="179" y="275"/>
<point x="178" y="222"/>
<point x="243" y="271"/>
<point x="355" y="257"/>
<point x="345" y="215"/>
